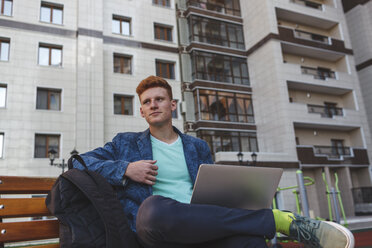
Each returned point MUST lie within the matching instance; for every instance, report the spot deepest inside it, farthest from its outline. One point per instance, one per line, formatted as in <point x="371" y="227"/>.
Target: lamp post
<point x="52" y="155"/>
<point x="240" y="156"/>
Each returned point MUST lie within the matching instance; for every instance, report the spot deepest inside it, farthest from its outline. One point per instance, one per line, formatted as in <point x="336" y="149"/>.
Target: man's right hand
<point x="143" y="171"/>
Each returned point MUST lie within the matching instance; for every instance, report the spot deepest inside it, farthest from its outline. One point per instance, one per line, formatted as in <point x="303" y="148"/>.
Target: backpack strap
<point x="104" y="198"/>
<point x="78" y="158"/>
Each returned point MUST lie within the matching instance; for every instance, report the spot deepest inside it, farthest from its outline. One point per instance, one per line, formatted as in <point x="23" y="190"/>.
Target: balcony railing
<point x="333" y="152"/>
<point x="311" y="36"/>
<point x="362" y="195"/>
<point x="318" y="73"/>
<point x="309" y="4"/>
<point x="224" y="7"/>
<point x="325" y="111"/>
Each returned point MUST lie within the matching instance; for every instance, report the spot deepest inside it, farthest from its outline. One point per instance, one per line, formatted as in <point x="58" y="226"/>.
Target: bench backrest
<point x="16" y="202"/>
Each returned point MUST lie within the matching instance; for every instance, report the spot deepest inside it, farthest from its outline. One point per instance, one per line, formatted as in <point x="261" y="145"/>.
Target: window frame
<point x="6" y="95"/>
<point x="224" y="74"/>
<point x="122" y="58"/>
<point x="122" y="19"/>
<point x="52" y="7"/>
<point x="2" y="144"/>
<point x="222" y="135"/>
<point x="4" y="40"/>
<point x="122" y="106"/>
<point x="223" y="8"/>
<point x="48" y="136"/>
<point x="221" y="96"/>
<point x="164" y="3"/>
<point x="49" y="92"/>
<point x="50" y="53"/>
<point x="2" y="7"/>
<point x="202" y="34"/>
<point x="158" y="27"/>
<point x="169" y="65"/>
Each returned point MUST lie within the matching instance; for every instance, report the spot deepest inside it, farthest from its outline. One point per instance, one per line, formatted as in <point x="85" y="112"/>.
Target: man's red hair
<point x="152" y="82"/>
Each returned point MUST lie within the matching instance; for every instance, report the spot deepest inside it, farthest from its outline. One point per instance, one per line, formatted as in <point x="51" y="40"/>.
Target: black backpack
<point x="89" y="213"/>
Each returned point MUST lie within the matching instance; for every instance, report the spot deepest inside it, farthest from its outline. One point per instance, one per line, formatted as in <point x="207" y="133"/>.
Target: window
<point x="52" y="13"/>
<point x="4" y="49"/>
<point x="50" y="55"/>
<point x="44" y="143"/>
<point x="122" y="64"/>
<point x="1" y="144"/>
<point x="338" y="148"/>
<point x="49" y="99"/>
<point x="221" y="68"/>
<point x="216" y="32"/>
<point x="162" y="2"/>
<point x="121" y="25"/>
<point x="6" y="7"/>
<point x="229" y="7"/>
<point x="165" y="69"/>
<point x="223" y="106"/>
<point x="163" y="32"/>
<point x="123" y="105"/>
<point x="175" y="112"/>
<point x="3" y="89"/>
<point x="225" y="141"/>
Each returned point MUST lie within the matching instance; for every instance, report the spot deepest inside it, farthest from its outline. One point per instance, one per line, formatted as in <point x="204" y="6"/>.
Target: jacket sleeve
<point x="206" y="154"/>
<point x="104" y="160"/>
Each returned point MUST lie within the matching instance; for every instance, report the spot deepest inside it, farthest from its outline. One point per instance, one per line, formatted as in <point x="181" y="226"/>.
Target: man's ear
<point x="173" y="105"/>
<point x="142" y="114"/>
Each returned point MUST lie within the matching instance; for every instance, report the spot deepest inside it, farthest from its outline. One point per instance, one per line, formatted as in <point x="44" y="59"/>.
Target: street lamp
<point x="240" y="156"/>
<point x="52" y="155"/>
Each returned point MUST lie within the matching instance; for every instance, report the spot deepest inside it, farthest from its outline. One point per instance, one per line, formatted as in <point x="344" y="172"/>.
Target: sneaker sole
<point x="349" y="236"/>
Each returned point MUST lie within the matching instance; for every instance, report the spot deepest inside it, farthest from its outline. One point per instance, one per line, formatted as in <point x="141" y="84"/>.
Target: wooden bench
<point x="18" y="211"/>
<point x="16" y="202"/>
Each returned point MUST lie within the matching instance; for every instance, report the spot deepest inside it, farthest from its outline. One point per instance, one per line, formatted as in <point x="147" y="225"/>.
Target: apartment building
<point x="68" y="74"/>
<point x="359" y="20"/>
<point x="275" y="78"/>
<point x="278" y="79"/>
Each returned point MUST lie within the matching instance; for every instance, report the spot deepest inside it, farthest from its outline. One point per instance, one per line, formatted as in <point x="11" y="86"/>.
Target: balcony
<point x="309" y="4"/>
<point x="313" y="37"/>
<point x="343" y="120"/>
<point x="227" y="7"/>
<point x="332" y="152"/>
<point x="323" y="17"/>
<point x="312" y="45"/>
<point x="320" y="155"/>
<point x="325" y="111"/>
<point x="318" y="73"/>
<point x="362" y="200"/>
<point x="336" y="83"/>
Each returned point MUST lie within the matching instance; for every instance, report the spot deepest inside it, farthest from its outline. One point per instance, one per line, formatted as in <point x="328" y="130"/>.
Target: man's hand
<point x="143" y="171"/>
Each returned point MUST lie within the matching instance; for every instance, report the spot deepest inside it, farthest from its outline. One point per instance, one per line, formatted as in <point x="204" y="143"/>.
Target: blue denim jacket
<point x="112" y="160"/>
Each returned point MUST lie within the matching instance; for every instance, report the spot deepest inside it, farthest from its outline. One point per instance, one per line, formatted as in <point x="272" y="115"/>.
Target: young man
<point x="155" y="171"/>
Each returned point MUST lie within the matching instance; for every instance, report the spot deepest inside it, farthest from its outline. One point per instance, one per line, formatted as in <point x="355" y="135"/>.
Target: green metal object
<point x="310" y="182"/>
<point x="328" y="197"/>
<point x="297" y="201"/>
<point x="340" y="200"/>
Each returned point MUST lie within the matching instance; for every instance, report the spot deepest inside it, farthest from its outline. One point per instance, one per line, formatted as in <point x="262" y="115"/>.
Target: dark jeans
<point x="166" y="223"/>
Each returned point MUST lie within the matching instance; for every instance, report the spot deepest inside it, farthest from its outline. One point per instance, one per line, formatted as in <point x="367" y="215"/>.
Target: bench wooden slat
<point x="43" y="246"/>
<point x="23" y="207"/>
<point x="28" y="230"/>
<point x="25" y="185"/>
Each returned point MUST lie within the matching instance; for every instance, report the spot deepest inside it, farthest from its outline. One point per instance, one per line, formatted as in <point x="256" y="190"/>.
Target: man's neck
<point x="164" y="133"/>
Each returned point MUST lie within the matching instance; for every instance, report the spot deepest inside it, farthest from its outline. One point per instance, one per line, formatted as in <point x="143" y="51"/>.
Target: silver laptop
<point x="236" y="186"/>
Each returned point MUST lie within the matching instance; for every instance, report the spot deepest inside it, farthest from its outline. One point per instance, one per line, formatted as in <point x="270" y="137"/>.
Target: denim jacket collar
<point x="190" y="151"/>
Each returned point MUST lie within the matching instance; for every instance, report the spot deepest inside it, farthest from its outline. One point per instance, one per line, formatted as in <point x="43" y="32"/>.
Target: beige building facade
<point x="277" y="78"/>
<point x="302" y="86"/>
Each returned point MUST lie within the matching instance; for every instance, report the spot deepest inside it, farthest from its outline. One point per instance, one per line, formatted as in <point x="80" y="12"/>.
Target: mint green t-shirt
<point x="173" y="179"/>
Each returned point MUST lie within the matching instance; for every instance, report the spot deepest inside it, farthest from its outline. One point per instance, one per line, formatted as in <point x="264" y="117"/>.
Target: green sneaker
<point x="320" y="234"/>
